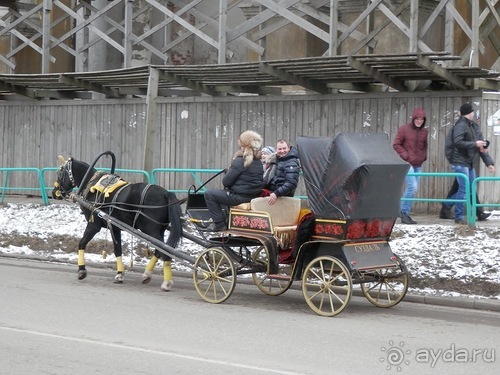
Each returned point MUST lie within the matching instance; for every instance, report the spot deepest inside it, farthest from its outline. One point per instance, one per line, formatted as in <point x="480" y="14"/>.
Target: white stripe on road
<point x="150" y="351"/>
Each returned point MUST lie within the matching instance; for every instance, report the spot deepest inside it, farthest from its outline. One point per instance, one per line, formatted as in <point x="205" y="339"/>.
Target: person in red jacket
<point x="411" y="145"/>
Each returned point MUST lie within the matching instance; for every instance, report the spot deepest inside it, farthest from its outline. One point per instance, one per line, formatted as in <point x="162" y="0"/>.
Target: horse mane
<point x="80" y="169"/>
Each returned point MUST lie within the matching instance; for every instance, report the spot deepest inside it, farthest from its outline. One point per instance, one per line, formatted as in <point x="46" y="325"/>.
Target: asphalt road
<point x="51" y="323"/>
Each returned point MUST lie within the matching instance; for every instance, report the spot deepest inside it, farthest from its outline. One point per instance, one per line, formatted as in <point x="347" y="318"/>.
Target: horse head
<point x="65" y="181"/>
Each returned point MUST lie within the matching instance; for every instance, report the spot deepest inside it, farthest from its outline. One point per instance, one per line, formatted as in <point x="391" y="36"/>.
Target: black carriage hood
<point x="352" y="175"/>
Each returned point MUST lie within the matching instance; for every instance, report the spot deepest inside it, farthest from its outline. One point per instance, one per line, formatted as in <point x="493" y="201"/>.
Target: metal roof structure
<point x="322" y="75"/>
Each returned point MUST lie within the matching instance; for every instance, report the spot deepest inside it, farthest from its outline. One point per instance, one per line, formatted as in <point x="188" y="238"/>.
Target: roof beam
<point x="198" y="87"/>
<point x="426" y="63"/>
<point x="292" y="78"/>
<point x="261" y="90"/>
<point x="91" y="86"/>
<point x="16" y="89"/>
<point x="488" y="84"/>
<point x="351" y="86"/>
<point x="61" y="94"/>
<point x="375" y="74"/>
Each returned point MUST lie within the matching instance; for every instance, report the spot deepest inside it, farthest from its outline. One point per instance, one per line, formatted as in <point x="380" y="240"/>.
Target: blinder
<point x="61" y="187"/>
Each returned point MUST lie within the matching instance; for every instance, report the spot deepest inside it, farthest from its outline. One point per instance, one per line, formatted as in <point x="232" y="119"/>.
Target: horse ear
<point x="61" y="159"/>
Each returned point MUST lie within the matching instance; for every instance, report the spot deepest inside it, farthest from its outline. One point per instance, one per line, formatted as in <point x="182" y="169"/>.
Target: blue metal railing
<point x="5" y="185"/>
<point x="474" y="192"/>
<point x="467" y="203"/>
<point x="470" y="204"/>
<point x="146" y="175"/>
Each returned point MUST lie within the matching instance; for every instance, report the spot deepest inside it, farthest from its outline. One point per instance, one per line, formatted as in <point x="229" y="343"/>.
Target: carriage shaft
<point x="154" y="242"/>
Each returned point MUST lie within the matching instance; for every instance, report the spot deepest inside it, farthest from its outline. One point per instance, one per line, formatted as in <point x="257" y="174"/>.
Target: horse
<point x="146" y="207"/>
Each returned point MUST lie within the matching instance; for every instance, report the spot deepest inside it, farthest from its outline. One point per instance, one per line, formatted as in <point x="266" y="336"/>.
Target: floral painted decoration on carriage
<point x="354" y="182"/>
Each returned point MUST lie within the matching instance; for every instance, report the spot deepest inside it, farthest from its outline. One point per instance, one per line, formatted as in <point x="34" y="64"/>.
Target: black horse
<point x="149" y="208"/>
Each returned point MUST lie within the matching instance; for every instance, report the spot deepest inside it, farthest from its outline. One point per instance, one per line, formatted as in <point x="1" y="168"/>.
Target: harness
<point x="105" y="185"/>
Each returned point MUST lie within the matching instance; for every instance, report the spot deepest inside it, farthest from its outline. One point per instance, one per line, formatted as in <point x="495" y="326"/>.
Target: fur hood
<point x="271" y="159"/>
<point x="250" y="143"/>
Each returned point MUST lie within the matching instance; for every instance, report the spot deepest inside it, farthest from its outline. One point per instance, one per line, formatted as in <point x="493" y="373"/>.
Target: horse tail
<point x="174" y="216"/>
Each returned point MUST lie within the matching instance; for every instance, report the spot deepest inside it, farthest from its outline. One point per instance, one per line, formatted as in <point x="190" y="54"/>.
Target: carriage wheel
<point x="214" y="275"/>
<point x="390" y="285"/>
<point x="272" y="285"/>
<point x="326" y="285"/>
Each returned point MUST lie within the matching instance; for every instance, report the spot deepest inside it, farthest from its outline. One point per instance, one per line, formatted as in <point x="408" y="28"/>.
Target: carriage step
<point x="275" y="276"/>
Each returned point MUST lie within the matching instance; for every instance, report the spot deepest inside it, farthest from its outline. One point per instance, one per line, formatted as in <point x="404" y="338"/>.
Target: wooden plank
<point x="426" y="63"/>
<point x="413" y="31"/>
<point x="400" y="25"/>
<point x="356" y="64"/>
<point x="185" y="24"/>
<point x="151" y="127"/>
<point x="382" y="25"/>
<point x="430" y="20"/>
<point x="284" y="12"/>
<point x="257" y="20"/>
<point x="88" y="23"/>
<point x="374" y="4"/>
<point x="315" y="86"/>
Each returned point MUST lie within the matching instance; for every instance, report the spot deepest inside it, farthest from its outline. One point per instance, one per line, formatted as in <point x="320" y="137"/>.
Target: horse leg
<point x="148" y="273"/>
<point x="167" y="284"/>
<point x="90" y="231"/>
<point x="117" y="242"/>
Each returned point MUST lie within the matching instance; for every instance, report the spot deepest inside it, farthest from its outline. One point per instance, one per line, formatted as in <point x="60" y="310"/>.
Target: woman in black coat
<point x="242" y="182"/>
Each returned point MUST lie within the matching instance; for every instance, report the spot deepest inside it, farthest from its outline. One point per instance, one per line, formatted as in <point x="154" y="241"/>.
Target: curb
<point x="457" y="302"/>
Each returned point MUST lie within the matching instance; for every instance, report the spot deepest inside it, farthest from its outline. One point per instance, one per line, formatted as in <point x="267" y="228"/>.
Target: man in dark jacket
<point x="242" y="182"/>
<point x="411" y="145"/>
<point x="465" y="143"/>
<point x="285" y="172"/>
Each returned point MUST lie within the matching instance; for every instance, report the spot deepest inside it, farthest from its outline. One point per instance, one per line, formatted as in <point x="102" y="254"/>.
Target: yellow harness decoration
<point x="108" y="184"/>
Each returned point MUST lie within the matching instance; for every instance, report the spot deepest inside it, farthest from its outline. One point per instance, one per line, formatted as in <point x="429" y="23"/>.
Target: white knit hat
<point x="268" y="150"/>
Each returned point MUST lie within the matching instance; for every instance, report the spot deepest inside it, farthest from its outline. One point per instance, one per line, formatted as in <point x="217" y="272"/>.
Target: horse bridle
<point x="66" y="167"/>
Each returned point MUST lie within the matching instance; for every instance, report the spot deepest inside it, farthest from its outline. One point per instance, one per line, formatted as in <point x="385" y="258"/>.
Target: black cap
<point x="465" y="109"/>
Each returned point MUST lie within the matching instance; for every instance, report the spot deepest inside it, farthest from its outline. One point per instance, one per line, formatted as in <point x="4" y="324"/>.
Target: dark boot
<point x="218" y="226"/>
<point x="406" y="219"/>
<point x="483" y="216"/>
<point x="446" y="213"/>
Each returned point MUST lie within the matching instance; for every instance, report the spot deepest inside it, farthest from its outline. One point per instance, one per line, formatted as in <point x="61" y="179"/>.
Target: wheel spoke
<point x="272" y="285"/>
<point x="326" y="285"/>
<point x="214" y="276"/>
<point x="388" y="287"/>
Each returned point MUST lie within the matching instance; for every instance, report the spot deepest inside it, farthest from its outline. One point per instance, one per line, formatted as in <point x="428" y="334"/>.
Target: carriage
<point x="337" y="246"/>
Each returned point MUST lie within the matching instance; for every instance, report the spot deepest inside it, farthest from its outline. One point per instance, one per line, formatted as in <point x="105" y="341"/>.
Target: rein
<point x="85" y="186"/>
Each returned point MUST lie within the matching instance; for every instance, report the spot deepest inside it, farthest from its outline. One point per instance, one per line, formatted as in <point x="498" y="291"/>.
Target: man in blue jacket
<point x="465" y="143"/>
<point x="283" y="176"/>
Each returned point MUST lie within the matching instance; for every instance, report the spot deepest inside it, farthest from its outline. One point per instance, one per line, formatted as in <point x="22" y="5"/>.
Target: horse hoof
<point x="166" y="285"/>
<point x="146" y="277"/>
<point x="82" y="274"/>
<point x="118" y="279"/>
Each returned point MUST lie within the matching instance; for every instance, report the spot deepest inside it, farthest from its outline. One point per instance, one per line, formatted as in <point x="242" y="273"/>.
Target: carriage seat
<point x="284" y="216"/>
<point x="285" y="212"/>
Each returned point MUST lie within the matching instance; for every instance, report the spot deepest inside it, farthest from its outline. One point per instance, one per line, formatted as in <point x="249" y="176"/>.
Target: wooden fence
<point x="201" y="132"/>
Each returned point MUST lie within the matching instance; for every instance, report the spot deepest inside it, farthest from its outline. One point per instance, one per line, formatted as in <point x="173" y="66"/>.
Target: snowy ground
<point x="442" y="259"/>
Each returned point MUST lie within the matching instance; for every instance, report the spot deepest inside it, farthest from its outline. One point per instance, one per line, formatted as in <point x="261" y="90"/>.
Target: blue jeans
<point x="411" y="189"/>
<point x="460" y="194"/>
